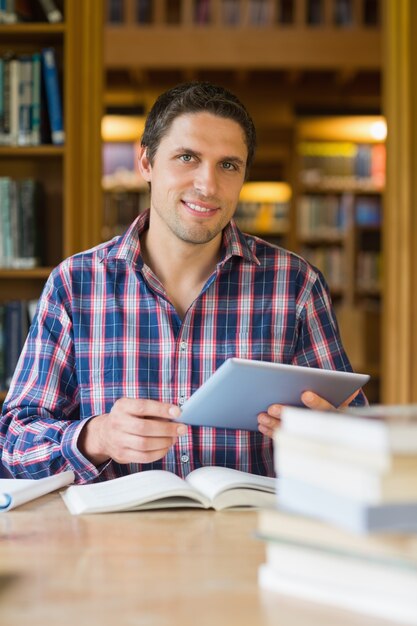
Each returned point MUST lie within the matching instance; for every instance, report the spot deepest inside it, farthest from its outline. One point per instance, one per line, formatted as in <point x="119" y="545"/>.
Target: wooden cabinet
<point x="70" y="174"/>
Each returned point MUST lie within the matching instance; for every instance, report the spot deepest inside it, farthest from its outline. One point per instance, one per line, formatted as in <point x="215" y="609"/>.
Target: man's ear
<point x="144" y="165"/>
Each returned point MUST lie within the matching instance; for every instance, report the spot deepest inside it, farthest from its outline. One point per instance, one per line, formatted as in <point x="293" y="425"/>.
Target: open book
<point x="206" y="487"/>
<point x="17" y="491"/>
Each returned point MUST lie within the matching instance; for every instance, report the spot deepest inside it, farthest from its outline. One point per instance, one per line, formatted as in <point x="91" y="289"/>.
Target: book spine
<point x="14" y="225"/>
<point x="14" y="101"/>
<point x="25" y="101"/>
<point x="51" y="11"/>
<point x="36" y="100"/>
<point x="5" y="130"/>
<point x="5" y="221"/>
<point x="10" y="16"/>
<point x="53" y="96"/>
<point x="28" y="233"/>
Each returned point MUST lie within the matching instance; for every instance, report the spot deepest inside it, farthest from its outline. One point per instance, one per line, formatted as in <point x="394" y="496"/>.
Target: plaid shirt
<point x="105" y="329"/>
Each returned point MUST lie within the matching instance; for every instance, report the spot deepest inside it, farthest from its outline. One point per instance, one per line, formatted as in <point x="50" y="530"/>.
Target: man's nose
<point x="206" y="181"/>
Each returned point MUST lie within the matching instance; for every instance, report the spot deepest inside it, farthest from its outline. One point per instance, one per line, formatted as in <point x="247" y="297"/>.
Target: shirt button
<point x="185" y="458"/>
<point x="183" y="345"/>
<point x="181" y="400"/>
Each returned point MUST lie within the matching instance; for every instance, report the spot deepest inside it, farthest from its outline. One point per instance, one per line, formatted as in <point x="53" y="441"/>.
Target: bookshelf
<point x="69" y="174"/>
<point x="340" y="179"/>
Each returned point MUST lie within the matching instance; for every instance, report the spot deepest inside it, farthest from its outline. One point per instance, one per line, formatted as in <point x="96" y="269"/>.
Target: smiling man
<point x="127" y="331"/>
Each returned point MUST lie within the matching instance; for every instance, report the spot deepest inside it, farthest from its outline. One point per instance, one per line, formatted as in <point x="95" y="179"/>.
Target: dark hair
<point x="196" y="97"/>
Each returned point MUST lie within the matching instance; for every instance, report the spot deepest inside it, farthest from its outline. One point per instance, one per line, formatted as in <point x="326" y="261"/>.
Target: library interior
<point x="321" y="79"/>
<point x="330" y="85"/>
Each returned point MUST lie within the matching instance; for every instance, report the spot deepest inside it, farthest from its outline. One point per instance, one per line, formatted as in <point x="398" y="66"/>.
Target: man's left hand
<point x="269" y="421"/>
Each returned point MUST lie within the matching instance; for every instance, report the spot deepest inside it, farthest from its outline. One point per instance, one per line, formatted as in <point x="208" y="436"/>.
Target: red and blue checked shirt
<point x="105" y="329"/>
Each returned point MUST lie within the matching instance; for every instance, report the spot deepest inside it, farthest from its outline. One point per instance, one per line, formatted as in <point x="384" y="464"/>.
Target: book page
<point x="16" y="491"/>
<point x="211" y="481"/>
<point x="128" y="492"/>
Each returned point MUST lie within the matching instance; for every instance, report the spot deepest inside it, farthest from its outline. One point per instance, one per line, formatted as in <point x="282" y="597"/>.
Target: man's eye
<point x="227" y="165"/>
<point x="186" y="158"/>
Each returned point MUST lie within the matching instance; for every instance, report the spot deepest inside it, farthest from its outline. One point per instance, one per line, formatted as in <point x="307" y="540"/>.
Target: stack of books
<point x="345" y="529"/>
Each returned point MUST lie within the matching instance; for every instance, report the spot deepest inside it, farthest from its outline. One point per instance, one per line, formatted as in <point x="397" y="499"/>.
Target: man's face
<point x="196" y="177"/>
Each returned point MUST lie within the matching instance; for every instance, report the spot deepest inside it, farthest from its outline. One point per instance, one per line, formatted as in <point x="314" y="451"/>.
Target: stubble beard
<point x="197" y="234"/>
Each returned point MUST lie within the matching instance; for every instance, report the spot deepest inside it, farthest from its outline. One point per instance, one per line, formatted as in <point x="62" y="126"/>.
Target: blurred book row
<point x="329" y="216"/>
<point x="15" y="319"/>
<point x="252" y="12"/>
<point x="14" y="11"/>
<point x="20" y="223"/>
<point x="344" y="532"/>
<point x="342" y="163"/>
<point x="30" y="99"/>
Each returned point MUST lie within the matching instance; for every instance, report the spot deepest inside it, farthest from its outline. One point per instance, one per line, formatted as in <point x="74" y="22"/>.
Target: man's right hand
<point x="135" y="431"/>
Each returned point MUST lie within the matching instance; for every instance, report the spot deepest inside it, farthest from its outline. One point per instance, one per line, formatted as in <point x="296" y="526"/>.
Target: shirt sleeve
<point x="40" y="421"/>
<point x="319" y="343"/>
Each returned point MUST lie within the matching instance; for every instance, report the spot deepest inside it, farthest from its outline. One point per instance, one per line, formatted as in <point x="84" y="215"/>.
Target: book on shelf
<point x="208" y="487"/>
<point x="35" y="125"/>
<point x="30" y="101"/>
<point x="13" y="68"/>
<point x="51" y="11"/>
<point x="331" y="261"/>
<point x="20" y="223"/>
<point x="260" y="13"/>
<point x="144" y="11"/>
<point x="231" y="12"/>
<point x="24" y="101"/>
<point x="8" y="13"/>
<point x="53" y="95"/>
<point x="313" y="561"/>
<point x="202" y="12"/>
<point x="339" y="164"/>
<point x="12" y="11"/>
<point x="17" y="491"/>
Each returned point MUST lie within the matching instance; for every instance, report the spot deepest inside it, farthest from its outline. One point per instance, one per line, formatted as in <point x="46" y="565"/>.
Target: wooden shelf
<point x="32" y="151"/>
<point x="341" y="186"/>
<point x="32" y="29"/>
<point x="69" y="176"/>
<point x="41" y="273"/>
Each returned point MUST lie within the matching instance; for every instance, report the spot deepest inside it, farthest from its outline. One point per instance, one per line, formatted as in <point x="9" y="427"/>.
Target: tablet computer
<point x="240" y="389"/>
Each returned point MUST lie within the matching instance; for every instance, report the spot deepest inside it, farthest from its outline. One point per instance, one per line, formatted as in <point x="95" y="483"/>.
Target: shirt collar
<point x="127" y="247"/>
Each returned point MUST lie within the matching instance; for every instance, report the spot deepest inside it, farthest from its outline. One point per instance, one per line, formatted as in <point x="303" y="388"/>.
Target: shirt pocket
<point x="259" y="345"/>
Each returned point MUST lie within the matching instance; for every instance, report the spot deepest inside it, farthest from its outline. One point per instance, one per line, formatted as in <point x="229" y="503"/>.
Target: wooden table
<point x="161" y="568"/>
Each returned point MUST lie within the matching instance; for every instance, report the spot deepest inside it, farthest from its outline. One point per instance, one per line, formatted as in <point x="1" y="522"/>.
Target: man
<point x="125" y="332"/>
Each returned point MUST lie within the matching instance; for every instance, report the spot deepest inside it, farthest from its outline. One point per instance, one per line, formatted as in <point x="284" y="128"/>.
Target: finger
<point x="141" y="445"/>
<point x="133" y="456"/>
<point x="150" y="444"/>
<point x="350" y="399"/>
<point x="139" y="407"/>
<point x="313" y="401"/>
<point x="268" y="421"/>
<point x="153" y="427"/>
<point x="268" y="432"/>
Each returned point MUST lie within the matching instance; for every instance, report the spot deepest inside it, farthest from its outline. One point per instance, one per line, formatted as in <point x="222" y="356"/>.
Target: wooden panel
<point x="400" y="232"/>
<point x="266" y="47"/>
<point x="83" y="84"/>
